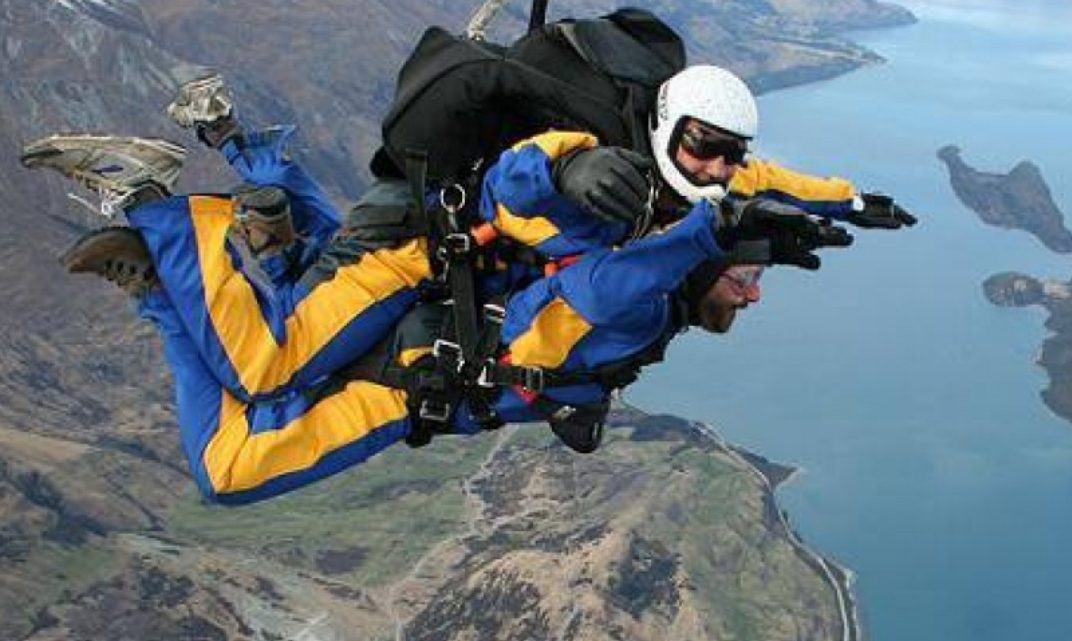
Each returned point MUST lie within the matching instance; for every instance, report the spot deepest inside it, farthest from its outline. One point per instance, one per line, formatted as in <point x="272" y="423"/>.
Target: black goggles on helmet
<point x="705" y="143"/>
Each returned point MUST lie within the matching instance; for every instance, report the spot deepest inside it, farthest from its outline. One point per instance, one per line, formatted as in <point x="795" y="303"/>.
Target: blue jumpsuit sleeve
<point x="610" y="286"/>
<point x="829" y="197"/>
<point x="519" y="198"/>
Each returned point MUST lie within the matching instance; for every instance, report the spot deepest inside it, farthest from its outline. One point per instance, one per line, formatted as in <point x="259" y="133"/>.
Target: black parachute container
<point x="462" y="101"/>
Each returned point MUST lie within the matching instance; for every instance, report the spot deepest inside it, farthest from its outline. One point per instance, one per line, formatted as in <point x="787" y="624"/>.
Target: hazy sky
<point x="1048" y="15"/>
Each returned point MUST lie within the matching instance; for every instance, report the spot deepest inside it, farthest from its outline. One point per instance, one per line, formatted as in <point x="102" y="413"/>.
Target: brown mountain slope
<point x="507" y="536"/>
<point x="99" y="532"/>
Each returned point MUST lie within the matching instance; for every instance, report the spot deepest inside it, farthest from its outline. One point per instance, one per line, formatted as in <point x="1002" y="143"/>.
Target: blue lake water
<point x="932" y="468"/>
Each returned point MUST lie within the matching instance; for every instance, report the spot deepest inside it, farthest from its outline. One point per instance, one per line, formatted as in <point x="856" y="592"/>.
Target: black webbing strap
<point x="416" y="172"/>
<point x="611" y="376"/>
<point x="538" y="15"/>
<point x="456" y="251"/>
<point x="432" y="393"/>
<point x="481" y="396"/>
<point x="453" y="246"/>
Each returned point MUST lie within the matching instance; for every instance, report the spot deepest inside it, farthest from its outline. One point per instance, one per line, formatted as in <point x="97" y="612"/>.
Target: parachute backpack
<point x="460" y="101"/>
<point x="463" y="100"/>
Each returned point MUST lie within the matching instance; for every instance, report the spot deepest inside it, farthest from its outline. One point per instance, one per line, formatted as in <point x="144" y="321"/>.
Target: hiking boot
<point x="118" y="254"/>
<point x="201" y="101"/>
<point x="124" y="171"/>
<point x="263" y="220"/>
<point x="205" y="104"/>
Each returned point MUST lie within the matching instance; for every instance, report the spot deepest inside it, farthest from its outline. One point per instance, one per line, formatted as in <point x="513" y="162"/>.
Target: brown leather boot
<point x="263" y="220"/>
<point x="118" y="254"/>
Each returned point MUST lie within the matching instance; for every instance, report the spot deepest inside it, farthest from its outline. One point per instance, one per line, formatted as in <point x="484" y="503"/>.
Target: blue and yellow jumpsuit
<point x="244" y="367"/>
<point x="607" y="306"/>
<point x="264" y="341"/>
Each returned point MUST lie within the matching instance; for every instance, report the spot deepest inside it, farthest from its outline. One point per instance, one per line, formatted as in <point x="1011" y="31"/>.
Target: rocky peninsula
<point x="1012" y="289"/>
<point x="1021" y="199"/>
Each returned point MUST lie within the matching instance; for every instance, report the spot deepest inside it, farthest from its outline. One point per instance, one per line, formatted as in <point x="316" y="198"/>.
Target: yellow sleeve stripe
<point x="261" y="363"/>
<point x="237" y="460"/>
<point x="554" y="332"/>
<point x="760" y="176"/>
<point x="412" y="355"/>
<point x="531" y="231"/>
<point x="559" y="143"/>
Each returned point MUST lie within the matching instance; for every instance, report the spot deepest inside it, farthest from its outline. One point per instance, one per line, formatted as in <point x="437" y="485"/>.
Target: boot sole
<point x="80" y="257"/>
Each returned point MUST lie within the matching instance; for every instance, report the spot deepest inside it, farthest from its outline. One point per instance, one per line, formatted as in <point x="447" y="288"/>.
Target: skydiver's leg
<point x="252" y="348"/>
<point x="257" y="342"/>
<point x="260" y="158"/>
<point x="240" y="452"/>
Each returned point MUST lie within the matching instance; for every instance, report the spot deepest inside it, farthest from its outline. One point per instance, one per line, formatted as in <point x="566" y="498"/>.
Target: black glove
<point x="608" y="182"/>
<point x="768" y="232"/>
<point x="880" y="212"/>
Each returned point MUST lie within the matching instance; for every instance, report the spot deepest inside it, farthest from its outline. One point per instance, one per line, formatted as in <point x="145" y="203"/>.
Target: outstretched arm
<point x="829" y="197"/>
<point x="612" y="284"/>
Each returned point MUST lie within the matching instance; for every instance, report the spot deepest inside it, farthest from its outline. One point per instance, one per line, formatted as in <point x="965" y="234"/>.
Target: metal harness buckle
<point x="532" y="378"/>
<point x="444" y="350"/>
<point x="484" y="379"/>
<point x="435" y="412"/>
<point x="564" y="413"/>
<point x="494" y="313"/>
<point x="456" y="244"/>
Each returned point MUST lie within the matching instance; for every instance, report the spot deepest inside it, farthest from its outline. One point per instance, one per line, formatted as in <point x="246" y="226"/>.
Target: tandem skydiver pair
<point x="271" y="307"/>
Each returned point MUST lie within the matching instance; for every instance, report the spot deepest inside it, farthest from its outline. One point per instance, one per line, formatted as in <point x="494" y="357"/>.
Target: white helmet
<point x="707" y="93"/>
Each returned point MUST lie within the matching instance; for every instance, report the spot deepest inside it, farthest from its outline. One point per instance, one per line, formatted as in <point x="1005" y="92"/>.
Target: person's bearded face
<point x="735" y="289"/>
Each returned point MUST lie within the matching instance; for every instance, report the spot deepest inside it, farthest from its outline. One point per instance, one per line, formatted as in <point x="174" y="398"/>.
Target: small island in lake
<point x="1019" y="199"/>
<point x="1022" y="200"/>
<point x="1011" y="289"/>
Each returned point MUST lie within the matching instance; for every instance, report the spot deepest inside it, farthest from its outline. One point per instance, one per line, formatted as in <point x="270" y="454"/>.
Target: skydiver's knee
<point x="385" y="216"/>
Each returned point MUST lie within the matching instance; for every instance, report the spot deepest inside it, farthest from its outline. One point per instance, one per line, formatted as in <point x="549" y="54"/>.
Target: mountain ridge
<point x="102" y="536"/>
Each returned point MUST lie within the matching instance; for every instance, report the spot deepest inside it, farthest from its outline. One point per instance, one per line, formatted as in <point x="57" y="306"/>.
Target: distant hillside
<point x="506" y="536"/>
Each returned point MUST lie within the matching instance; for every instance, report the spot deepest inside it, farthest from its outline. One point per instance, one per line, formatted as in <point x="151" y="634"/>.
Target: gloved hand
<point x="608" y="182"/>
<point x="219" y="132"/>
<point x="261" y="157"/>
<point x="767" y="232"/>
<point x="880" y="212"/>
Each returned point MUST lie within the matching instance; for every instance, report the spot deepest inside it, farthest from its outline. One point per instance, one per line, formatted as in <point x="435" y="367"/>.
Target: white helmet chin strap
<point x="709" y="94"/>
<point x="683" y="186"/>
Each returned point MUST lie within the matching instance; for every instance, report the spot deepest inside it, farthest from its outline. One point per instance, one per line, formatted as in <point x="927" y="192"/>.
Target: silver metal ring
<point x="458" y="189"/>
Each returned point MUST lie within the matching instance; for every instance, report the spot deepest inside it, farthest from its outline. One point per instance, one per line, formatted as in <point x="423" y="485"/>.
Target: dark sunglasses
<point x="704" y="145"/>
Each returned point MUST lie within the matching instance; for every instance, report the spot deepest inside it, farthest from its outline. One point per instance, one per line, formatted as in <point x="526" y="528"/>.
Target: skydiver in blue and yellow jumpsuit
<point x="249" y="427"/>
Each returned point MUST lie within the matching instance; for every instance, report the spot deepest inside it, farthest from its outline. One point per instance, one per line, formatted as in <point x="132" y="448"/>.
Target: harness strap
<point x="416" y="172"/>
<point x="538" y="15"/>
<point x="535" y="380"/>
